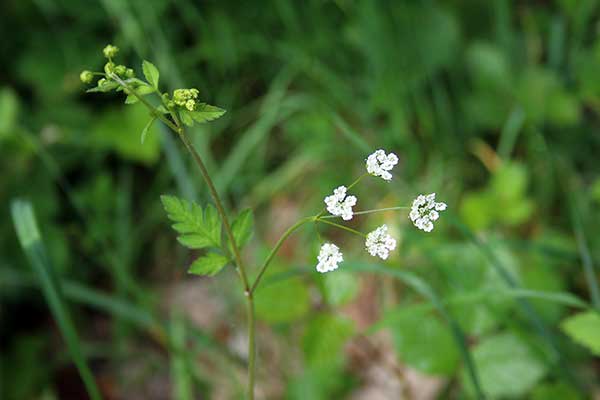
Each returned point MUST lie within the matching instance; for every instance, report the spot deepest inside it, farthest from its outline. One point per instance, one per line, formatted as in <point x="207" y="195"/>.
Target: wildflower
<point x="129" y="73"/>
<point x="380" y="243"/>
<point x="424" y="211"/>
<point x="86" y="76"/>
<point x="185" y="98"/>
<point x="110" y="51"/>
<point x="379" y="164"/>
<point x="109" y="67"/>
<point x="340" y="204"/>
<point x="329" y="258"/>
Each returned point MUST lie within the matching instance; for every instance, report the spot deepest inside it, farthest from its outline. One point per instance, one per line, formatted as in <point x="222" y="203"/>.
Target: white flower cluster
<point x="380" y="243"/>
<point x="339" y="204"/>
<point x="425" y="210"/>
<point x="379" y="164"/>
<point x="329" y="258"/>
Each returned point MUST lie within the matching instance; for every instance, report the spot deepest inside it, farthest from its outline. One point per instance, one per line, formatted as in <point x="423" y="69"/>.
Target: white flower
<point x="379" y="164"/>
<point x="424" y="211"/>
<point x="329" y="258"/>
<point x="379" y="243"/>
<point x="340" y="204"/>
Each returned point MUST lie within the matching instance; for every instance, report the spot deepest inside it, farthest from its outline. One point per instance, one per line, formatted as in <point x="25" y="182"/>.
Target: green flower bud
<point x="101" y="82"/>
<point x="129" y="73"/>
<point x="190" y="105"/>
<point x="86" y="76"/>
<point x="170" y="104"/>
<point x="110" y="51"/>
<point x="109" y="67"/>
<point x="120" y="70"/>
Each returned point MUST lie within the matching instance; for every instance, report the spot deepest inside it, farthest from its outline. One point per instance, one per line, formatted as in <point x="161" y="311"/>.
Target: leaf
<point x="507" y="367"/>
<point x="197" y="229"/>
<point x="205" y="112"/>
<point x="243" y="227"/>
<point x="186" y="117"/>
<point x="324" y="339"/>
<point x="151" y="73"/>
<point x="423" y="342"/>
<point x="29" y="237"/>
<point x="107" y="86"/>
<point x="340" y="288"/>
<point x="146" y="128"/>
<point x="141" y="90"/>
<point x="209" y="264"/>
<point x="584" y="328"/>
<point x="282" y="301"/>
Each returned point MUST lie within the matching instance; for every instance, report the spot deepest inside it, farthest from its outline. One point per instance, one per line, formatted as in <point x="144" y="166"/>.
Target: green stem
<point x="341" y="227"/>
<point x="276" y="248"/>
<point x="229" y="233"/>
<point x="251" y="346"/>
<point x="369" y="211"/>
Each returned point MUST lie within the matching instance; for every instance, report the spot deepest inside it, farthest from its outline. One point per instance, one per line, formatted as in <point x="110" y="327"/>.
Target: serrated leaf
<point x="197" y="229"/>
<point x="146" y="128"/>
<point x="243" y="227"/>
<point x="584" y="328"/>
<point x="209" y="264"/>
<point x="151" y="73"/>
<point x="205" y="112"/>
<point x="186" y="117"/>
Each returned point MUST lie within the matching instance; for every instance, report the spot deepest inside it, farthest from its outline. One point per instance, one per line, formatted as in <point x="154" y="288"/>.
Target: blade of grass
<point x="591" y="278"/>
<point x="182" y="381"/>
<point x="556" y="357"/>
<point x="510" y="132"/>
<point x="29" y="237"/>
<point x="421" y="287"/>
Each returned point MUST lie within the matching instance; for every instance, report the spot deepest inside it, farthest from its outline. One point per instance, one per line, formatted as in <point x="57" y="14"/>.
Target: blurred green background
<point x="493" y="105"/>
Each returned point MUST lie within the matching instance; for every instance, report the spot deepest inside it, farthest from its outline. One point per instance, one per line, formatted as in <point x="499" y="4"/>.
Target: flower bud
<point x="120" y="70"/>
<point x="109" y="67"/>
<point x="129" y="73"/>
<point x="86" y="76"/>
<point x="190" y="105"/>
<point x="110" y="51"/>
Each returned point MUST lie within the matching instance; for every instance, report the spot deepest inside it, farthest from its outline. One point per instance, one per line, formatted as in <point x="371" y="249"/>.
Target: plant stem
<point x="276" y="248"/>
<point x="341" y="227"/>
<point x="368" y="211"/>
<point x="238" y="261"/>
<point x="229" y="233"/>
<point x="251" y="345"/>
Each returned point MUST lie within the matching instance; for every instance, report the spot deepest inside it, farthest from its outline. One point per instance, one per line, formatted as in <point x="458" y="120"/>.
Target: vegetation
<point x="493" y="106"/>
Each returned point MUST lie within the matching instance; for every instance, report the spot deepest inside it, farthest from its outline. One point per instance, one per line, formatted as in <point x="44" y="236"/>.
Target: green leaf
<point x="197" y="229"/>
<point x="282" y="301"/>
<point x="186" y="117"/>
<point x="29" y="236"/>
<point x="423" y="342"/>
<point x="141" y="90"/>
<point x="205" y="112"/>
<point x="340" y="288"/>
<point x="151" y="73"/>
<point x="209" y="264"/>
<point x="146" y="128"/>
<point x="243" y="227"/>
<point x="584" y="328"/>
<point x="106" y="87"/>
<point x="324" y="339"/>
<point x="507" y="367"/>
